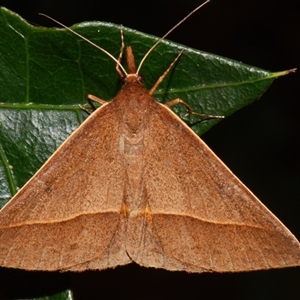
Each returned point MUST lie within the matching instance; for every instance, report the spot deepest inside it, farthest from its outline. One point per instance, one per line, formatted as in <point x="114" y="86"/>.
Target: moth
<point x="135" y="184"/>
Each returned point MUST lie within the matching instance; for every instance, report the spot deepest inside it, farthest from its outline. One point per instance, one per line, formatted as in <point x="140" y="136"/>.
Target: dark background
<point x="260" y="143"/>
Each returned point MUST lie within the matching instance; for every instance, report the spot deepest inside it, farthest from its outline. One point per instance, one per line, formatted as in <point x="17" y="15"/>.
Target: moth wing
<point x="199" y="216"/>
<point x="68" y="215"/>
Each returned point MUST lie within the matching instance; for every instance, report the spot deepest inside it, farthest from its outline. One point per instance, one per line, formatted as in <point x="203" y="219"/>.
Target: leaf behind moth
<point x="55" y="70"/>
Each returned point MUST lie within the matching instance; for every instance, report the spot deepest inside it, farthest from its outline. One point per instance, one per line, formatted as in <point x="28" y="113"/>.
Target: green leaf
<point x="45" y="73"/>
<point x="66" y="295"/>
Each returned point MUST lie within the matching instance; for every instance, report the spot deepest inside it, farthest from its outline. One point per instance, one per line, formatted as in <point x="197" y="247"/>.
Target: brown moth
<point x="135" y="184"/>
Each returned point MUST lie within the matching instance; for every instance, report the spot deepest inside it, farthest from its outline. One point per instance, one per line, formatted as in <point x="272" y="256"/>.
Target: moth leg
<point x="84" y="109"/>
<point x="96" y="99"/>
<point x="162" y="77"/>
<point x="90" y="99"/>
<point x="189" y="110"/>
<point x="121" y="54"/>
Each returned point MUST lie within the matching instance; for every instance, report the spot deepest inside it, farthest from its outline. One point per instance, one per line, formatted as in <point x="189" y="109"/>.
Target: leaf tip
<point x="283" y="73"/>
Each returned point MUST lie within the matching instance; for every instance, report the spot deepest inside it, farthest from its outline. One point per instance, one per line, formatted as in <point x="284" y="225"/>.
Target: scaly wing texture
<point x="68" y="215"/>
<point x="199" y="217"/>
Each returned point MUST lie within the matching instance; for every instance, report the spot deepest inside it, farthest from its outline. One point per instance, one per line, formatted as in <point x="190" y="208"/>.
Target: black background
<point x="259" y="143"/>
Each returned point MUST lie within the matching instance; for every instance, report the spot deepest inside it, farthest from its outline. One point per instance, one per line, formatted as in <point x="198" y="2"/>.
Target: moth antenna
<point x="87" y="40"/>
<point x="174" y="27"/>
